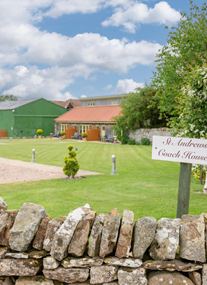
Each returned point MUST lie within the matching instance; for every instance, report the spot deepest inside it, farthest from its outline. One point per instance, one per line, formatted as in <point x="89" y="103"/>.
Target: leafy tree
<point x="138" y="112"/>
<point x="192" y="105"/>
<point x="71" y="164"/>
<point x="7" y="98"/>
<point x="186" y="48"/>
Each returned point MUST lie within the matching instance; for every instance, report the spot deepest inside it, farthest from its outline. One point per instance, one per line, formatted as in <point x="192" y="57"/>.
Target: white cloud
<point x="138" y="13"/>
<point x="66" y="58"/>
<point x="49" y="83"/>
<point x="127" y="86"/>
<point x="108" y="87"/>
<point x="83" y="96"/>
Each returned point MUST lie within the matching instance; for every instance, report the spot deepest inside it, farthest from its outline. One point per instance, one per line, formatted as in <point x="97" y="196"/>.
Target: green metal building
<point x="22" y="118"/>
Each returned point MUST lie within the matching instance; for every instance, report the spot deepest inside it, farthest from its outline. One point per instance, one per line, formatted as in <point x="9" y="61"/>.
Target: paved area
<point x="12" y="171"/>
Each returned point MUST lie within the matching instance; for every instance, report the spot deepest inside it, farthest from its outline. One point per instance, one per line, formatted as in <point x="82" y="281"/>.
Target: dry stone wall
<point x="88" y="248"/>
<point x="138" y="134"/>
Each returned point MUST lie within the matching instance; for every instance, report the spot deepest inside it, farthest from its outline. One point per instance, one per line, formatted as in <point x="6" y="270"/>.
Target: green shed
<point x="22" y="118"/>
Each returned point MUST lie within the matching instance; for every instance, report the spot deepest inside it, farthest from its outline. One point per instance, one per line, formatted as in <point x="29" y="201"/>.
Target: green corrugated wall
<point x="39" y="114"/>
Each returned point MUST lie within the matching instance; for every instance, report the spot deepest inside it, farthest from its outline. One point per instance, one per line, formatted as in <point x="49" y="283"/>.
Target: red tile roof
<point x="90" y="114"/>
<point x="73" y="102"/>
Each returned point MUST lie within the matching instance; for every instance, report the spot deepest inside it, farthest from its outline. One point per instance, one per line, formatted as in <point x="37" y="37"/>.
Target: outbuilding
<point x="22" y="118"/>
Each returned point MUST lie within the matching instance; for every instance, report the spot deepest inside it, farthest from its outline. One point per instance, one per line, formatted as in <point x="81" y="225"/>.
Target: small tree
<point x="71" y="164"/>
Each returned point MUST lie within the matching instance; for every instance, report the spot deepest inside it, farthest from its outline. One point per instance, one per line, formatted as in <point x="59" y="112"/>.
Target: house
<point x="69" y="104"/>
<point x="22" y="118"/>
<point x="93" y="119"/>
<point x="95" y="116"/>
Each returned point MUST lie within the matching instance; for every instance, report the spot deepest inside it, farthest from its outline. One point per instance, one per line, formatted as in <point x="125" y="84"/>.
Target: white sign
<point x="179" y="149"/>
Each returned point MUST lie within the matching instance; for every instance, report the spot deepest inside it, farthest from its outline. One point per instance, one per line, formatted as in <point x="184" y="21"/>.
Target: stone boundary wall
<point x="149" y="133"/>
<point x="38" y="250"/>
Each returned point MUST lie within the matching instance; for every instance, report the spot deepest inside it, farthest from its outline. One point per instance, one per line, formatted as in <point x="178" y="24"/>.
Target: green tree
<point x="7" y="98"/>
<point x="191" y="105"/>
<point x="186" y="48"/>
<point x="138" y="112"/>
<point x="71" y="164"/>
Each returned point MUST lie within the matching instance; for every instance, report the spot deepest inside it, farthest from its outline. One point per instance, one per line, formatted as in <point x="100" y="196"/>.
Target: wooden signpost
<point x="186" y="151"/>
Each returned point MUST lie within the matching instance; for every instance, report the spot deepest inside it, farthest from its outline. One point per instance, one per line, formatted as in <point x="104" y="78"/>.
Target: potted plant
<point x="63" y="134"/>
<point x="39" y="132"/>
<point x="84" y="136"/>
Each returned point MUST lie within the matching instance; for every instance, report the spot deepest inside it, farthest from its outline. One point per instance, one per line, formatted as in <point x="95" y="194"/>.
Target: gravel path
<point x="12" y="171"/>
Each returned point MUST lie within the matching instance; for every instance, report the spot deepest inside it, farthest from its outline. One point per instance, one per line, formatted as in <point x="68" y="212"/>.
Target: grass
<point x="145" y="186"/>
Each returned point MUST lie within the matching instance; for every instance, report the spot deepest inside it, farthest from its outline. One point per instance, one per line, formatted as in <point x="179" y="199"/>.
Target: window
<point x="114" y="103"/>
<point x="91" y="104"/>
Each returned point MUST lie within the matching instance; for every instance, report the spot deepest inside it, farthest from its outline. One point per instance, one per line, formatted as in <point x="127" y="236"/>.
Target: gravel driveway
<point x="12" y="171"/>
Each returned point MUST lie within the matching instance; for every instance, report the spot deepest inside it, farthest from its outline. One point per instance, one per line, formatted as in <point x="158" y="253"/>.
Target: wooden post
<point x="184" y="189"/>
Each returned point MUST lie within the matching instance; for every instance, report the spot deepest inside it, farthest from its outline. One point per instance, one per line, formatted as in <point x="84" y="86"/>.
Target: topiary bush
<point x="84" y="135"/>
<point x="63" y="133"/>
<point x="71" y="166"/>
<point x="39" y="132"/>
<point x="145" y="141"/>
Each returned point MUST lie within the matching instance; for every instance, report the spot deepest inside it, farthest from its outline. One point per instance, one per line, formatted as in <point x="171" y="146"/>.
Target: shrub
<point x="71" y="164"/>
<point x="196" y="171"/>
<point x="145" y="141"/>
<point x="124" y="139"/>
<point x="131" y="142"/>
<point x="62" y="133"/>
<point x="84" y="135"/>
<point x="39" y="131"/>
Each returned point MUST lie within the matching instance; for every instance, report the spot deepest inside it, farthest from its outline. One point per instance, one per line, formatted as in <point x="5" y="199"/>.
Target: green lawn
<point x="145" y="186"/>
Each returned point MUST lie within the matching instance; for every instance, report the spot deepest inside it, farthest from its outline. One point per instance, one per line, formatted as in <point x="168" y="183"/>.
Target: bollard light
<point x="113" y="159"/>
<point x="60" y="139"/>
<point x="35" y="137"/>
<point x="10" y="140"/>
<point x="33" y="155"/>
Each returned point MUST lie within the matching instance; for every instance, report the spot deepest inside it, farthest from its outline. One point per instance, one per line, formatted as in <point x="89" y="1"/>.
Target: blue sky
<point x="61" y="49"/>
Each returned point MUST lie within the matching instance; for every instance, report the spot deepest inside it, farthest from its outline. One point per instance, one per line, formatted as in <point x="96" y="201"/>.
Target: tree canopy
<point x="138" y="112"/>
<point x="7" y="98"/>
<point x="185" y="50"/>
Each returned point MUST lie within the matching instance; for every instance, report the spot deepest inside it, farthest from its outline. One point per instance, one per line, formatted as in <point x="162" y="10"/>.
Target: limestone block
<point x="165" y="243"/>
<point x="144" y="233"/>
<point x="17" y="255"/>
<point x="195" y="277"/>
<point x="103" y="274"/>
<point x="50" y="263"/>
<point x="109" y="233"/>
<point x="171" y="265"/>
<point x="40" y="235"/>
<point x="79" y="240"/>
<point x="159" y="278"/>
<point x="65" y="233"/>
<point x="132" y="276"/>
<point x="19" y="267"/>
<point x="6" y="281"/>
<point x="95" y="238"/>
<point x="125" y="235"/>
<point x="6" y="222"/>
<point x="204" y="274"/>
<point x="3" y="205"/>
<point x="52" y="227"/>
<point x="81" y="262"/>
<point x="37" y="254"/>
<point x="25" y="226"/>
<point x="34" y="280"/>
<point x="3" y="251"/>
<point x="192" y="238"/>
<point x="124" y="262"/>
<point x="69" y="275"/>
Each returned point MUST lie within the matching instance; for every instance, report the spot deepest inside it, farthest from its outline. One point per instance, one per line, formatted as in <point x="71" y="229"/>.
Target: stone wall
<point x="149" y="133"/>
<point x="38" y="250"/>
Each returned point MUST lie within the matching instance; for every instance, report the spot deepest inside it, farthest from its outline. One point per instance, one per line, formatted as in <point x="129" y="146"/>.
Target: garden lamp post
<point x="33" y="155"/>
<point x="10" y="140"/>
<point x="113" y="159"/>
